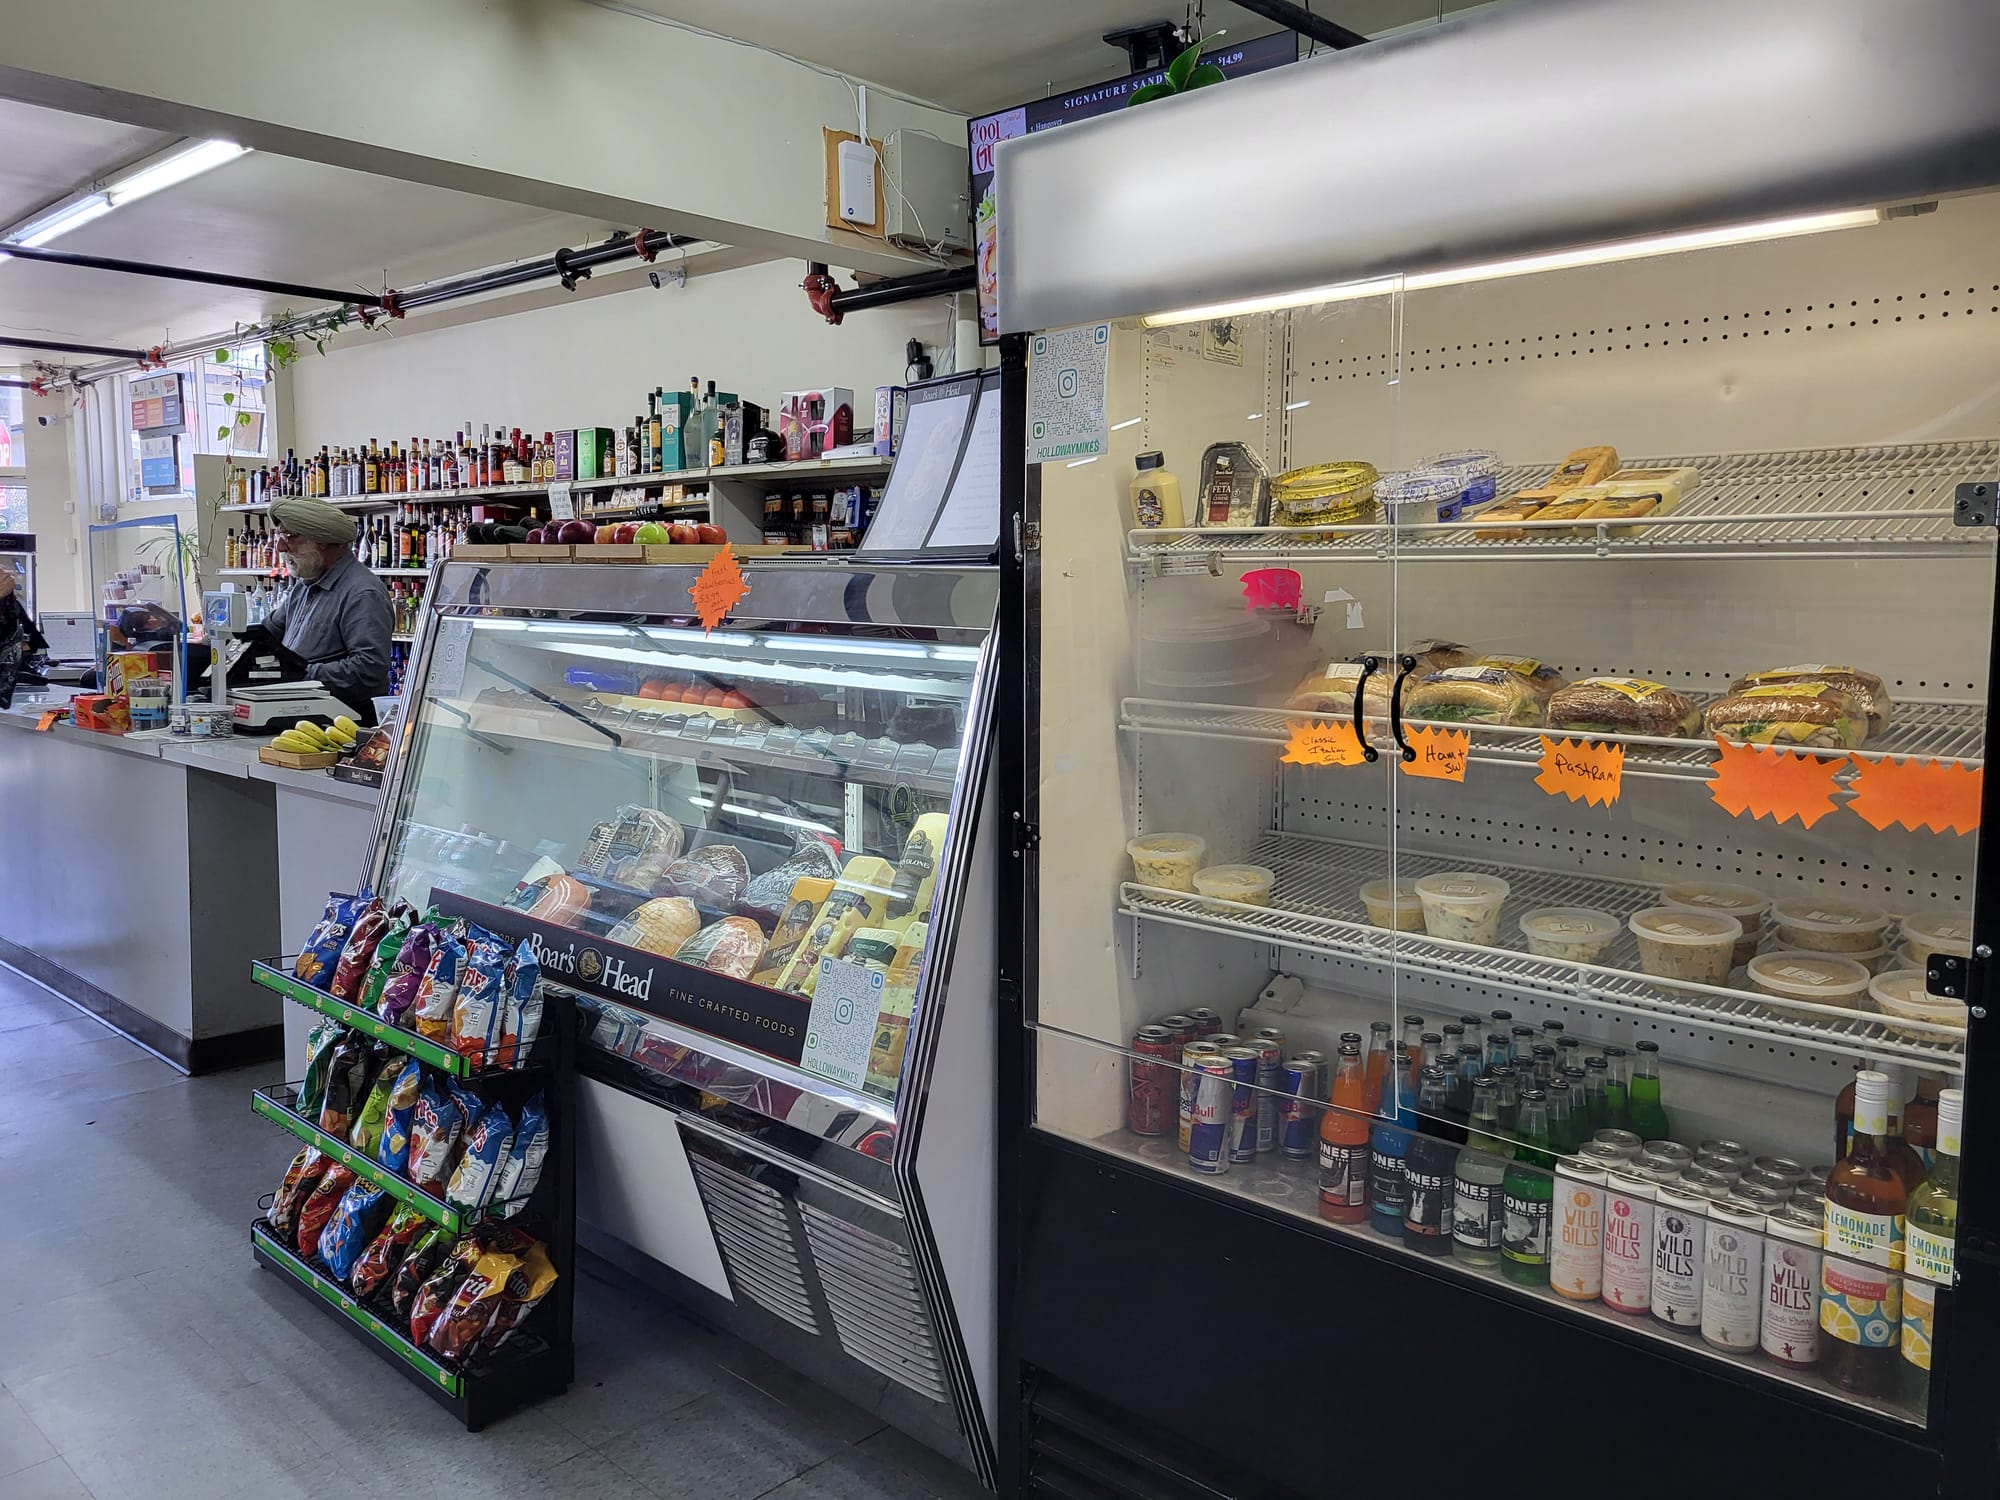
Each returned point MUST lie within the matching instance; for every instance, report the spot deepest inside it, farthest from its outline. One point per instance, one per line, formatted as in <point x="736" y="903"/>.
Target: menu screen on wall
<point x="984" y="132"/>
<point x="158" y="404"/>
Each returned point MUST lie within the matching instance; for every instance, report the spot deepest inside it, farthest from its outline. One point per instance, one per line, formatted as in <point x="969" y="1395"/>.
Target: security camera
<point x="673" y="276"/>
<point x="45" y="420"/>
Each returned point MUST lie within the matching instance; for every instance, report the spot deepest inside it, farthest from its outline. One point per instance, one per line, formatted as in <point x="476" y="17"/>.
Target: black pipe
<point x="1304" y="22"/>
<point x="905" y="289"/>
<point x="571" y="264"/>
<point x="138" y="355"/>
<point x="185" y="273"/>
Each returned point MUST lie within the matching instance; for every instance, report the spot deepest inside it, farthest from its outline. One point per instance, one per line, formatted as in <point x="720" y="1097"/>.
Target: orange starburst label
<point x="1939" y="795"/>
<point x="1333" y="743"/>
<point x="719" y="589"/>
<point x="1440" y="754"/>
<point x="1758" y="781"/>
<point x="1583" y="771"/>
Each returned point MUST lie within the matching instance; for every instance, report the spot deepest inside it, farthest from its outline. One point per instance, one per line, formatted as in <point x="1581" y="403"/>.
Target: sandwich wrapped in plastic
<point x="1869" y="689"/>
<point x="324" y="945"/>
<point x="1623" y="705"/>
<point x="1539" y="675"/>
<point x="1473" y="695"/>
<point x="1811" y="714"/>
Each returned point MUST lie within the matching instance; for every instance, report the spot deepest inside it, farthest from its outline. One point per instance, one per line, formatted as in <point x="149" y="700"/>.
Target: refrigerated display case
<point x="753" y="854"/>
<point x="1569" y="672"/>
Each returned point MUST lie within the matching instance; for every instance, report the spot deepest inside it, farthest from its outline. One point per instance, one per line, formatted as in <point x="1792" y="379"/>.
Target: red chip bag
<point x="386" y="1251"/>
<point x="320" y="1206"/>
<point x="436" y="1293"/>
<point x="301" y="1177"/>
<point x="465" y="1318"/>
<point x="422" y="1258"/>
<point x="370" y="927"/>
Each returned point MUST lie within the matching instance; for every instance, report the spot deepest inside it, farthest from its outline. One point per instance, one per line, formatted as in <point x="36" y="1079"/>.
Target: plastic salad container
<point x="1739" y="901"/>
<point x="1476" y="471"/>
<point x="1394" y="904"/>
<point x="1167" y="860"/>
<point x="1463" y="905"/>
<point x="1415" y="497"/>
<point x="1577" y="933"/>
<point x="1249" y="884"/>
<point x="1696" y="947"/>
<point x="1938" y="929"/>
<point x="1817" y="978"/>
<point x="1900" y="994"/>
<point x="1339" y="493"/>
<point x="1830" y="924"/>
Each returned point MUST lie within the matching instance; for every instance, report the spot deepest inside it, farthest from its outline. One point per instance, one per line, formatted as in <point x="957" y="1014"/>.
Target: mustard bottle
<point x="1156" y="494"/>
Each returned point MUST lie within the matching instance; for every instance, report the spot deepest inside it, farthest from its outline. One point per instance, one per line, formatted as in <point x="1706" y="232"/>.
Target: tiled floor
<point x="144" y="1354"/>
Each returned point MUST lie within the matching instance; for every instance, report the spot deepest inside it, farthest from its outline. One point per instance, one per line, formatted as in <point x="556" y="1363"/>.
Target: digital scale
<point x="254" y="682"/>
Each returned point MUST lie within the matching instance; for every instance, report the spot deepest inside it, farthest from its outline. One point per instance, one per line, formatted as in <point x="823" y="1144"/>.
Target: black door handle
<point x="1396" y="708"/>
<point x="1368" y="664"/>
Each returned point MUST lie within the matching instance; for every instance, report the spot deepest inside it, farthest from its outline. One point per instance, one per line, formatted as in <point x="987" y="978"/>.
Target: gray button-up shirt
<point x="340" y="623"/>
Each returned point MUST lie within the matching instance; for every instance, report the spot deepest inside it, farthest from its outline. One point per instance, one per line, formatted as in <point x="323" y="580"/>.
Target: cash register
<point x="265" y="686"/>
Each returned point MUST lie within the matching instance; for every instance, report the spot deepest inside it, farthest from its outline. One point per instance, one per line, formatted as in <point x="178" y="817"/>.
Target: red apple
<point x="683" y="532"/>
<point x="624" y="533"/>
<point x="712" y="534"/>
<point x="571" y="533"/>
<point x="536" y="537"/>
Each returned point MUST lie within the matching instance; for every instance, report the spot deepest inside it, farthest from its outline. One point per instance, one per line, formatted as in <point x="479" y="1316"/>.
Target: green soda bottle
<point x="1528" y="1197"/>
<point x="1648" y="1115"/>
<point x="1617" y="1110"/>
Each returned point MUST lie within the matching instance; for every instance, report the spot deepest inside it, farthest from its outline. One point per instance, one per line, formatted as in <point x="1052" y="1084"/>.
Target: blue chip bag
<point x="429" y="1014"/>
<point x="356" y="1221"/>
<point x="436" y="1128"/>
<point x="524" y="972"/>
<point x="477" y="1011"/>
<point x="479" y="1169"/>
<point x="523" y="1167"/>
<point x="321" y="953"/>
<point x="394" y="1152"/>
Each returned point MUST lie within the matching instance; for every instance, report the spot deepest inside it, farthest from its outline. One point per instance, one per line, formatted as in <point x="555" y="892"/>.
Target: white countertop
<point x="235" y="756"/>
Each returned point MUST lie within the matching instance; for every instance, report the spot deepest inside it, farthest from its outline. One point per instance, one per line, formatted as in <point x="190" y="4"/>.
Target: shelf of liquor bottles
<point x="1708" y="1247"/>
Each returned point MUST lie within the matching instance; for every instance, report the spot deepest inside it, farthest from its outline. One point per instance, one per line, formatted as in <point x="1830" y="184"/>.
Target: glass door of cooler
<point x="1718" y="714"/>
<point x="741" y="847"/>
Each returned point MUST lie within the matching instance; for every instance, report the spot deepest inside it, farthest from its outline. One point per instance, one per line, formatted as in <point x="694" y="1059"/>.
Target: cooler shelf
<point x="275" y="975"/>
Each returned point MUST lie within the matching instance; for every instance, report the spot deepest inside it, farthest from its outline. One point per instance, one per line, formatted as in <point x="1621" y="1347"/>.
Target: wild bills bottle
<point x="1860" y="1307"/>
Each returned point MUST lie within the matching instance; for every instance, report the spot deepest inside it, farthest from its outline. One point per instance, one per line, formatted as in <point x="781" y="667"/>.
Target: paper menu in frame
<point x="970" y="517"/>
<point x="933" y="437"/>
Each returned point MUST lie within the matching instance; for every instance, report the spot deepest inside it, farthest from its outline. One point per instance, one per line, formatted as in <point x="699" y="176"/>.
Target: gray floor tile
<point x="732" y="1444"/>
<point x="51" y="1479"/>
<point x="930" y="1470"/>
<point x="854" y="1474"/>
<point x="22" y="1444"/>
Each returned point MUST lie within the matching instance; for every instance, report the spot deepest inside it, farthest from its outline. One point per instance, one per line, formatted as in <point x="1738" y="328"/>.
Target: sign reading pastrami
<point x="729" y="1009"/>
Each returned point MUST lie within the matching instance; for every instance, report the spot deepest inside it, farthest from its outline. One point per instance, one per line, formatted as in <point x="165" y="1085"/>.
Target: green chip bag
<point x="319" y="1048"/>
<point x="366" y="1136"/>
<point x="384" y="960"/>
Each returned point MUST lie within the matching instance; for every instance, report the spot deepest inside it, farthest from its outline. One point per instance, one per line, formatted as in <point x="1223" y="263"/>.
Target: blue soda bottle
<point x="1388" y="1146"/>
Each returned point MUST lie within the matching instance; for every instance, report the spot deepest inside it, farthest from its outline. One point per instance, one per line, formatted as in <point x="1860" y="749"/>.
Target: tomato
<point x="653" y="688"/>
<point x="734" y="699"/>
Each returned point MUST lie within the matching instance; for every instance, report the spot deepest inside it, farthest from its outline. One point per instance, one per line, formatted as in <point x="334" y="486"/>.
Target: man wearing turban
<point x="336" y="614"/>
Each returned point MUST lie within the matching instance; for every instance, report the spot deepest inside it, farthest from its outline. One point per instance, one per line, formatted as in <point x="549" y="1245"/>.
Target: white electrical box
<point x="857" y="183"/>
<point x="929" y="193"/>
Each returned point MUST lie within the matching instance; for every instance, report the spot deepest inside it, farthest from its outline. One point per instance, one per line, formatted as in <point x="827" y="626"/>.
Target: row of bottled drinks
<point x="1539" y="1156"/>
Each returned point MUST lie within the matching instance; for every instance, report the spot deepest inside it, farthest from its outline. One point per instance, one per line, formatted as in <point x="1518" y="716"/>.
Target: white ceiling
<point x="269" y="217"/>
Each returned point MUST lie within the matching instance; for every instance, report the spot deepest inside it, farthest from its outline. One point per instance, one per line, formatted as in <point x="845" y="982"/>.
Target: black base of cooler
<point x="1170" y="1343"/>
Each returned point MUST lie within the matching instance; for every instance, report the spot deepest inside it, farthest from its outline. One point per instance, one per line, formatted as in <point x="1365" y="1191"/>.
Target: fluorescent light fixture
<point x="72" y="215"/>
<point x="1528" y="265"/>
<point x="170" y="168"/>
<point x="1255" y="416"/>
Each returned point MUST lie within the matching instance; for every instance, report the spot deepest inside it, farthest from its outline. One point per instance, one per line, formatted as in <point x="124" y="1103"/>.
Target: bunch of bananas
<point x="307" y="738"/>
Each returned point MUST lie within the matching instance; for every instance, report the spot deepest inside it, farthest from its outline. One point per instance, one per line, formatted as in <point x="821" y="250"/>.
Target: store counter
<point x="139" y="876"/>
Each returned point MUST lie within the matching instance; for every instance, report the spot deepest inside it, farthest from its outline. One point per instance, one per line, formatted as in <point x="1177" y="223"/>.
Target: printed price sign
<point x="1937" y="795"/>
<point x="846" y="1000"/>
<point x="1763" y="781"/>
<point x="1272" y="588"/>
<point x="1329" y="744"/>
<point x="561" y="507"/>
<point x="1441" y="754"/>
<point x="719" y="589"/>
<point x="1583" y="772"/>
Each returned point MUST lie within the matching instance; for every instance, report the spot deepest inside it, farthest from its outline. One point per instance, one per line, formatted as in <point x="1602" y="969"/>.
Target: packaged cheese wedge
<point x="858" y="899"/>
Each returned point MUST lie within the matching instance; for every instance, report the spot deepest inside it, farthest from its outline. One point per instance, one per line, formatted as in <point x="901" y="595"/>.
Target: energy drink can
<point x="1206" y="1022"/>
<point x="1212" y="1114"/>
<point x="1181" y="1026"/>
<point x="1243" y="1063"/>
<point x="1323" y="1081"/>
<point x="1192" y="1053"/>
<point x="1298" y="1120"/>
<point x="1154" y="1080"/>
<point x="1270" y="1079"/>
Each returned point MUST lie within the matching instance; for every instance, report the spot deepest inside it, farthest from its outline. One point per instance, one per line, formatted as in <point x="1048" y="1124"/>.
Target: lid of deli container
<point x="1906" y="987"/>
<point x="1220" y="880"/>
<point x="1940" y="927"/>
<point x="1829" y="914"/>
<point x="1742" y="902"/>
<point x="1678" y="924"/>
<point x="1569" y="924"/>
<point x="1207" y="628"/>
<point x="1166" y="845"/>
<point x="1462" y="885"/>
<point x="1808" y="976"/>
<point x="1153" y="460"/>
<point x="1466" y="463"/>
<point x="1385" y="889"/>
<point x="1418" y="484"/>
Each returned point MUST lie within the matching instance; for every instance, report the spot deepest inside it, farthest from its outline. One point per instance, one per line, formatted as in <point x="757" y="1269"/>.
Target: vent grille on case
<point x="878" y="1311"/>
<point x="759" y="1244"/>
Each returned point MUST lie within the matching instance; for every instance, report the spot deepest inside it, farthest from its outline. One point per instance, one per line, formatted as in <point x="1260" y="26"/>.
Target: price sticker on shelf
<point x="1586" y="771"/>
<point x="1441" y="754"/>
<point x="1332" y="743"/>
<point x="1938" y="795"/>
<point x="561" y="507"/>
<point x="1759" y="781"/>
<point x="719" y="589"/>
<point x="847" y="999"/>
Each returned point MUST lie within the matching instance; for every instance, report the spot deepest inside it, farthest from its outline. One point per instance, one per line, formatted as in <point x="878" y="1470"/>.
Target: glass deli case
<point x="1502" y="937"/>
<point x="753" y="855"/>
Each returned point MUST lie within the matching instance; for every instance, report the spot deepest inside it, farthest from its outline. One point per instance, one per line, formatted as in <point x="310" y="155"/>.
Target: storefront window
<point x="219" y="396"/>
<point x="13" y="449"/>
<point x="14" y="507"/>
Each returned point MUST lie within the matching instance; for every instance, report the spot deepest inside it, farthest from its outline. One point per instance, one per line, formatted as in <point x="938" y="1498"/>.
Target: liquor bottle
<point x="1477" y="1183"/>
<point x="1931" y="1232"/>
<point x="656" y="432"/>
<point x="1644" y="1106"/>
<point x="1860" y="1292"/>
<point x="1528" y="1198"/>
<point x="371" y="469"/>
<point x="1429" y="1179"/>
<point x="1375" y="1072"/>
<point x="1909" y="1162"/>
<point x="646" y="445"/>
<point x="1343" y="1140"/>
<point x="1617" y="1105"/>
<point x="1388" y="1145"/>
<point x="232" y="551"/>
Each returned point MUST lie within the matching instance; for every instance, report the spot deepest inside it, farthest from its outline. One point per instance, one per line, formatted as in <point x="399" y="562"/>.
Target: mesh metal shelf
<point x="1316" y="906"/>
<point x="1884" y="501"/>
<point x="1954" y="732"/>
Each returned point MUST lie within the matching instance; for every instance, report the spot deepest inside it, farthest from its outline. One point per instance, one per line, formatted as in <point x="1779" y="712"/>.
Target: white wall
<point x="591" y="362"/>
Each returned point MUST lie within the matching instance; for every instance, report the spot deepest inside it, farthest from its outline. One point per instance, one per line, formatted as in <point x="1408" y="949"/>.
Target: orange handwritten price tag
<point x="48" y="719"/>
<point x="1763" y="781"/>
<point x="1329" y="744"/>
<point x="1937" y="795"/>
<point x="1441" y="754"/>
<point x="719" y="589"/>
<point x="1582" y="771"/>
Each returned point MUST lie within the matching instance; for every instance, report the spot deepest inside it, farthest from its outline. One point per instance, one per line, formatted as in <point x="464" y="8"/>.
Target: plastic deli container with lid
<point x="1830" y="924"/>
<point x="1205" y="655"/>
<point x="1463" y="905"/>
<point x="1938" y="929"/>
<point x="1900" y="995"/>
<point x="1248" y="884"/>
<point x="1334" y="494"/>
<point x="1739" y="901"/>
<point x="1577" y="933"/>
<point x="1476" y="472"/>
<point x="1415" y="497"/>
<point x="1817" y="978"/>
<point x="1394" y="904"/>
<point x="1697" y="947"/>
<point x="1167" y="860"/>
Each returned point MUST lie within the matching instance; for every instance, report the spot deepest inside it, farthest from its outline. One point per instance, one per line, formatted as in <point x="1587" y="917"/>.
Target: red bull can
<point x="1181" y="1026"/>
<point x="1323" y="1081"/>
<point x="1207" y="1023"/>
<point x="1298" y="1120"/>
<point x="1151" y="1080"/>
<point x="1192" y="1053"/>
<point x="1270" y="1081"/>
<point x="1243" y="1065"/>
<point x="1212" y="1114"/>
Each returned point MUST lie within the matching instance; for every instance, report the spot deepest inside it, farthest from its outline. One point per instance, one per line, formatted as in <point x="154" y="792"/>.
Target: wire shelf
<point x="1812" y="502"/>
<point x="1316" y="906"/>
<point x="1950" y="732"/>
